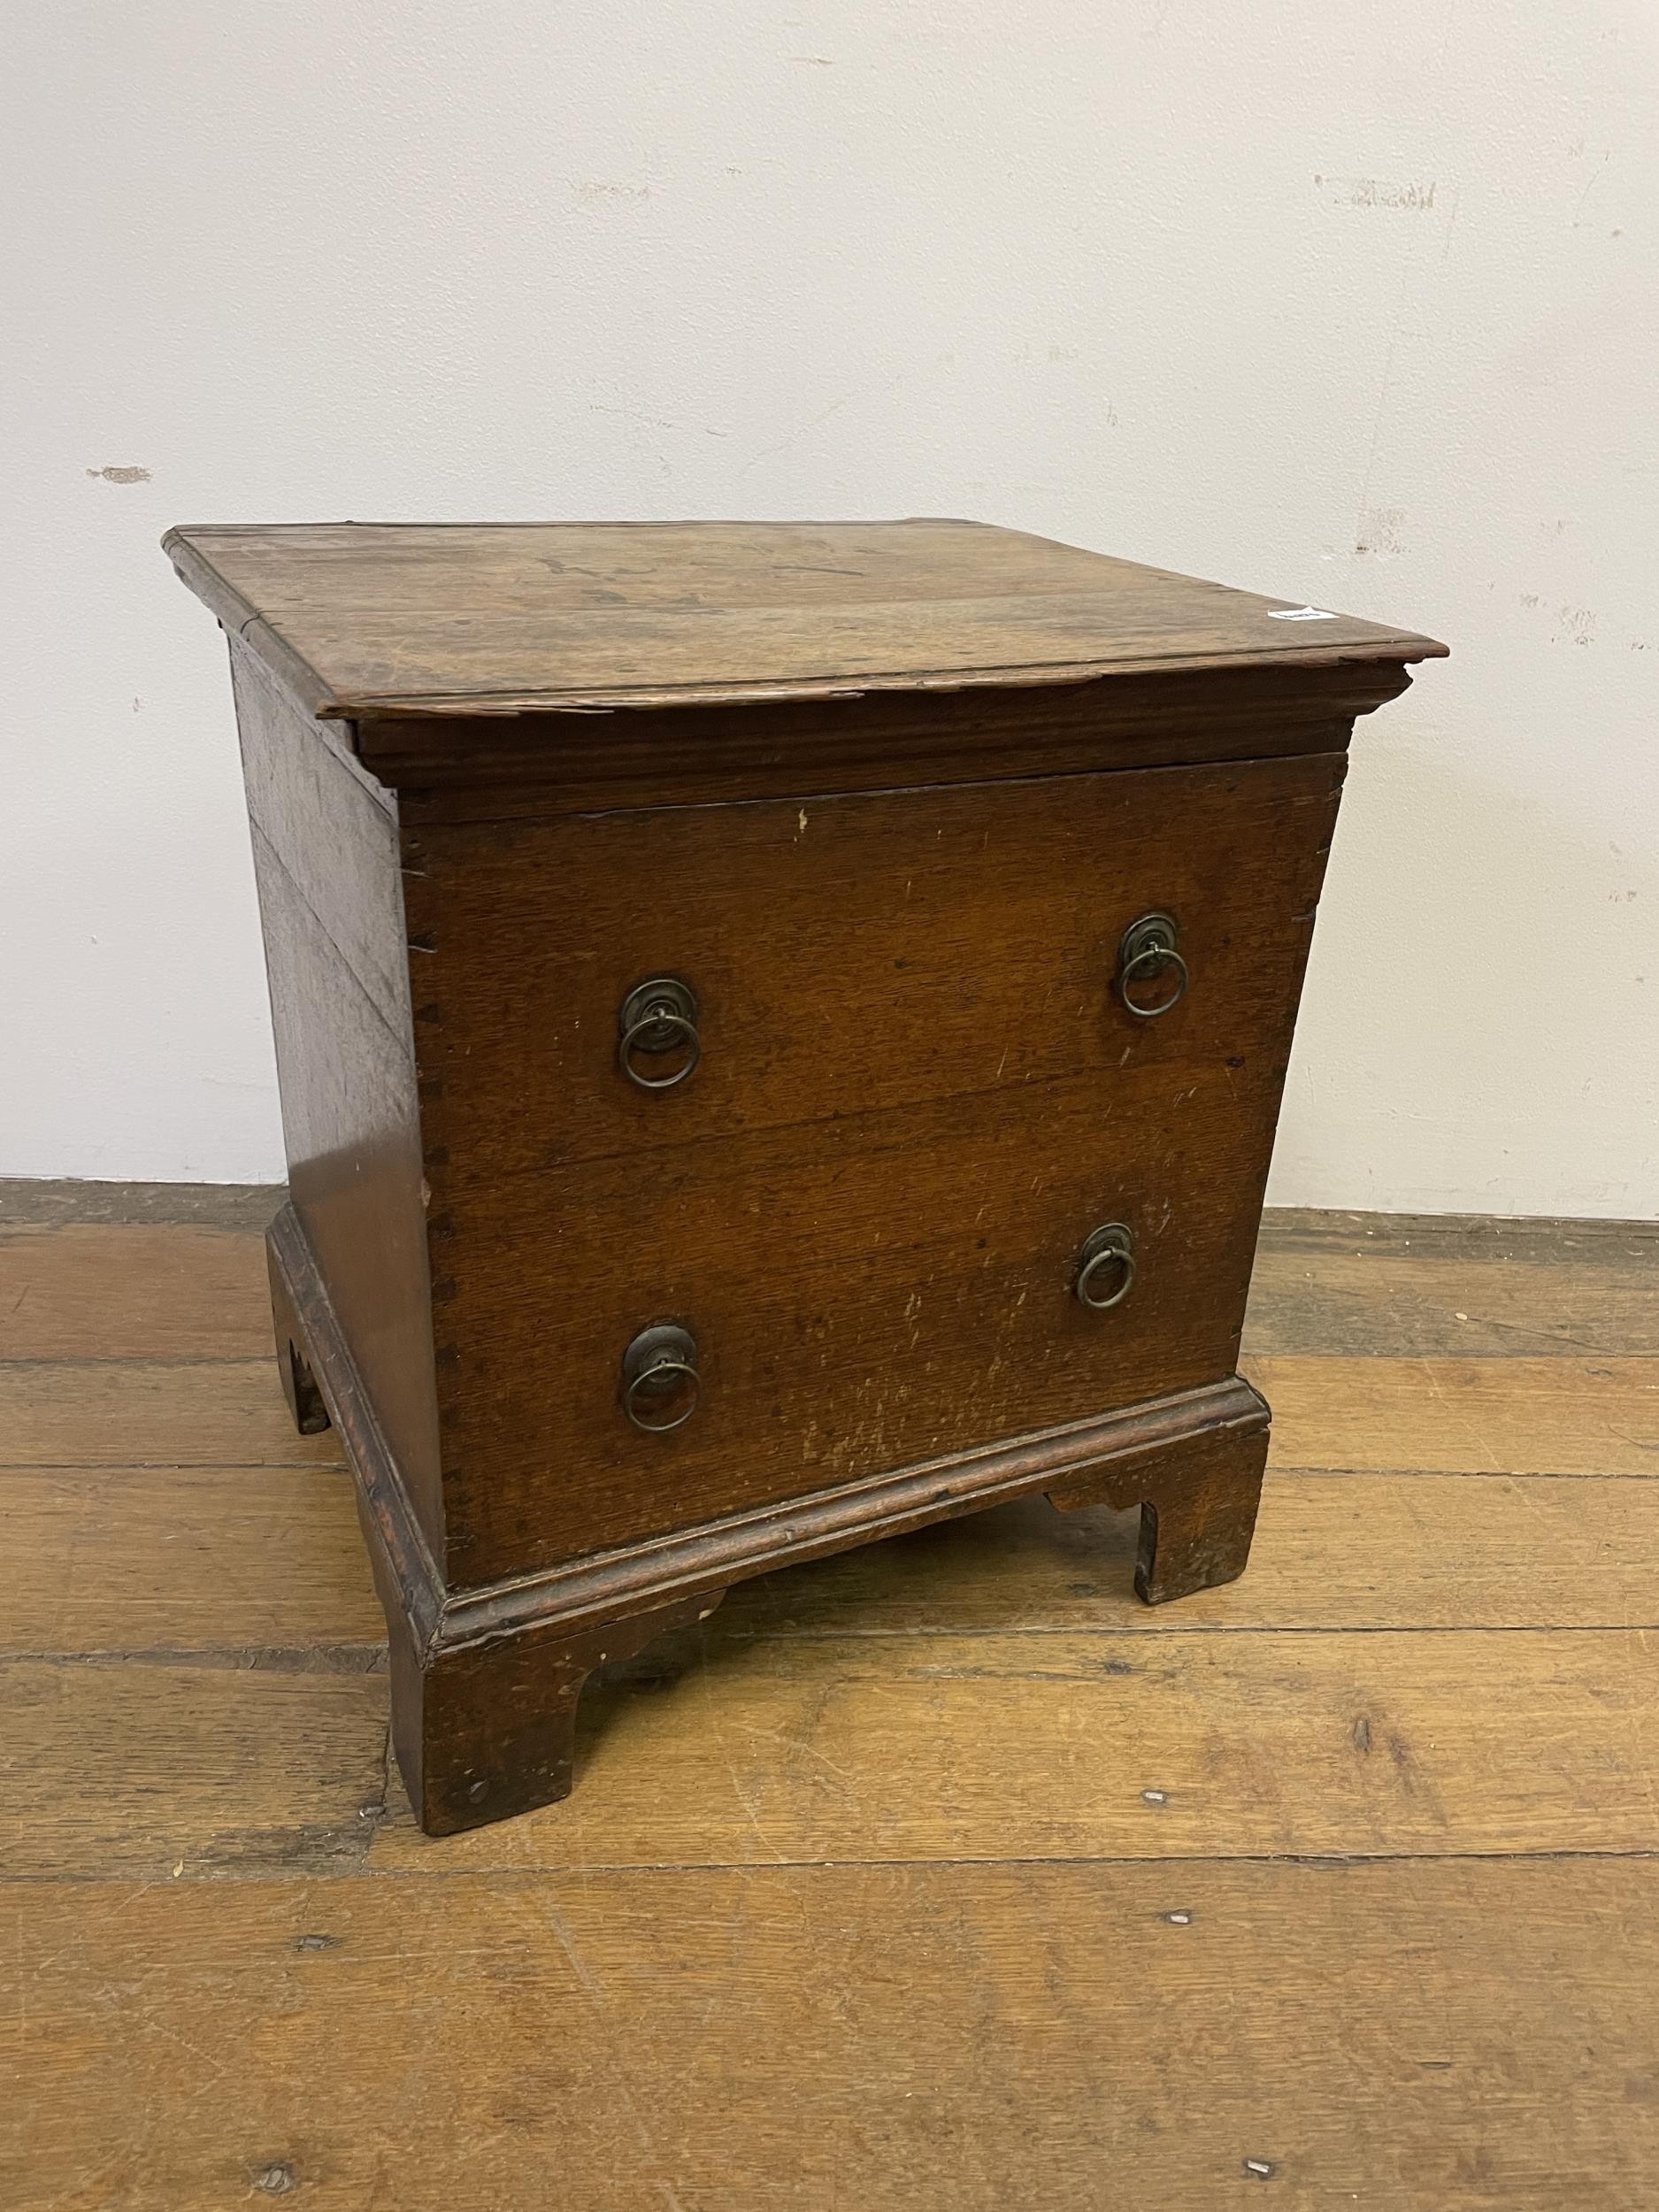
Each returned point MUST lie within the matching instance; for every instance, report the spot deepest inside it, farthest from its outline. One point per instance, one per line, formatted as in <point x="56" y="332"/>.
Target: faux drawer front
<point x="845" y="954"/>
<point x="892" y="1276"/>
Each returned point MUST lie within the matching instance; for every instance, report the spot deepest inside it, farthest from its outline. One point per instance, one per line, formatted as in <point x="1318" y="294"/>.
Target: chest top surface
<point x="378" y="620"/>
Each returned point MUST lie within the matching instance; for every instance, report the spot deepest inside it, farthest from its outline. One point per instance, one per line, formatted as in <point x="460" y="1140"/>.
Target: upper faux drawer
<point x="839" y="955"/>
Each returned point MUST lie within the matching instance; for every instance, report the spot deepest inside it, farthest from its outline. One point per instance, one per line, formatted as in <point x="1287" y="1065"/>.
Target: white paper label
<point x="1300" y="614"/>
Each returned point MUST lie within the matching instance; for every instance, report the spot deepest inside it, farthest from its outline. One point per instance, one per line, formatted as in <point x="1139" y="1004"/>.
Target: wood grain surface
<point x="151" y="1413"/>
<point x="138" y="1292"/>
<point x="984" y="1748"/>
<point x="1454" y="2036"/>
<point x="1534" y="1417"/>
<point x="939" y="1874"/>
<point x="186" y="1559"/>
<point x="363" y="617"/>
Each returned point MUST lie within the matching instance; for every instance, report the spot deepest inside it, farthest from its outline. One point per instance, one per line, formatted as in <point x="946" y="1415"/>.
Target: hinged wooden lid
<point x="373" y="620"/>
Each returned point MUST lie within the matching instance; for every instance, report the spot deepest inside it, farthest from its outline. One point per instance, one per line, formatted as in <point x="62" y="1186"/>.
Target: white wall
<point x="1352" y="303"/>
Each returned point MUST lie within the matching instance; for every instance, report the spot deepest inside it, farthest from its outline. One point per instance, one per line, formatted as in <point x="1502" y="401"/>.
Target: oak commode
<point x="780" y="1029"/>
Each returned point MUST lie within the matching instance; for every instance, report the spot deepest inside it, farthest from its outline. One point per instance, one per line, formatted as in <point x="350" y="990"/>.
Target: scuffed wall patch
<point x="1375" y="192"/>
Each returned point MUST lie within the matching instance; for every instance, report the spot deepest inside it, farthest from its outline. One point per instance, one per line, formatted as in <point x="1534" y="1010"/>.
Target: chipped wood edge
<point x="1397" y="652"/>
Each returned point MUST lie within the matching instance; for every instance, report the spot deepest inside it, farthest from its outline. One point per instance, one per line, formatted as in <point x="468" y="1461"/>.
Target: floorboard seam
<point x="369" y="1656"/>
<point x="583" y="1870"/>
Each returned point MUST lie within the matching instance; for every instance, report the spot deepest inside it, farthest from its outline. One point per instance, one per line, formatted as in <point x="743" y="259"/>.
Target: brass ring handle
<point x="655" y="1018"/>
<point x="1148" y="946"/>
<point x="1113" y="1245"/>
<point x="652" y="1373"/>
<point x="657" y="1356"/>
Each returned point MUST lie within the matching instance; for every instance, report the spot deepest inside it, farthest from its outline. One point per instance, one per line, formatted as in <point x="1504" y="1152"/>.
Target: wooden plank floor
<point x="940" y="1875"/>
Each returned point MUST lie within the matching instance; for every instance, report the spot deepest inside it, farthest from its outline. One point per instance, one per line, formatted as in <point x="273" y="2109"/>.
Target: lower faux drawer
<point x="863" y="1293"/>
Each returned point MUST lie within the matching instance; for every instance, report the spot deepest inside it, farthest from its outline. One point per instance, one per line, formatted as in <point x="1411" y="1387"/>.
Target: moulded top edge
<point x="435" y="621"/>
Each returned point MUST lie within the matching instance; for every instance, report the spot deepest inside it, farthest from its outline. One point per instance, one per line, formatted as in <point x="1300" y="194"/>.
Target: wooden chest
<point x="780" y="1030"/>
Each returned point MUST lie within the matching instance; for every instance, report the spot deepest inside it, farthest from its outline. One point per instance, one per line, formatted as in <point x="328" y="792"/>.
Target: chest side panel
<point x="325" y="855"/>
<point x="919" y="1091"/>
